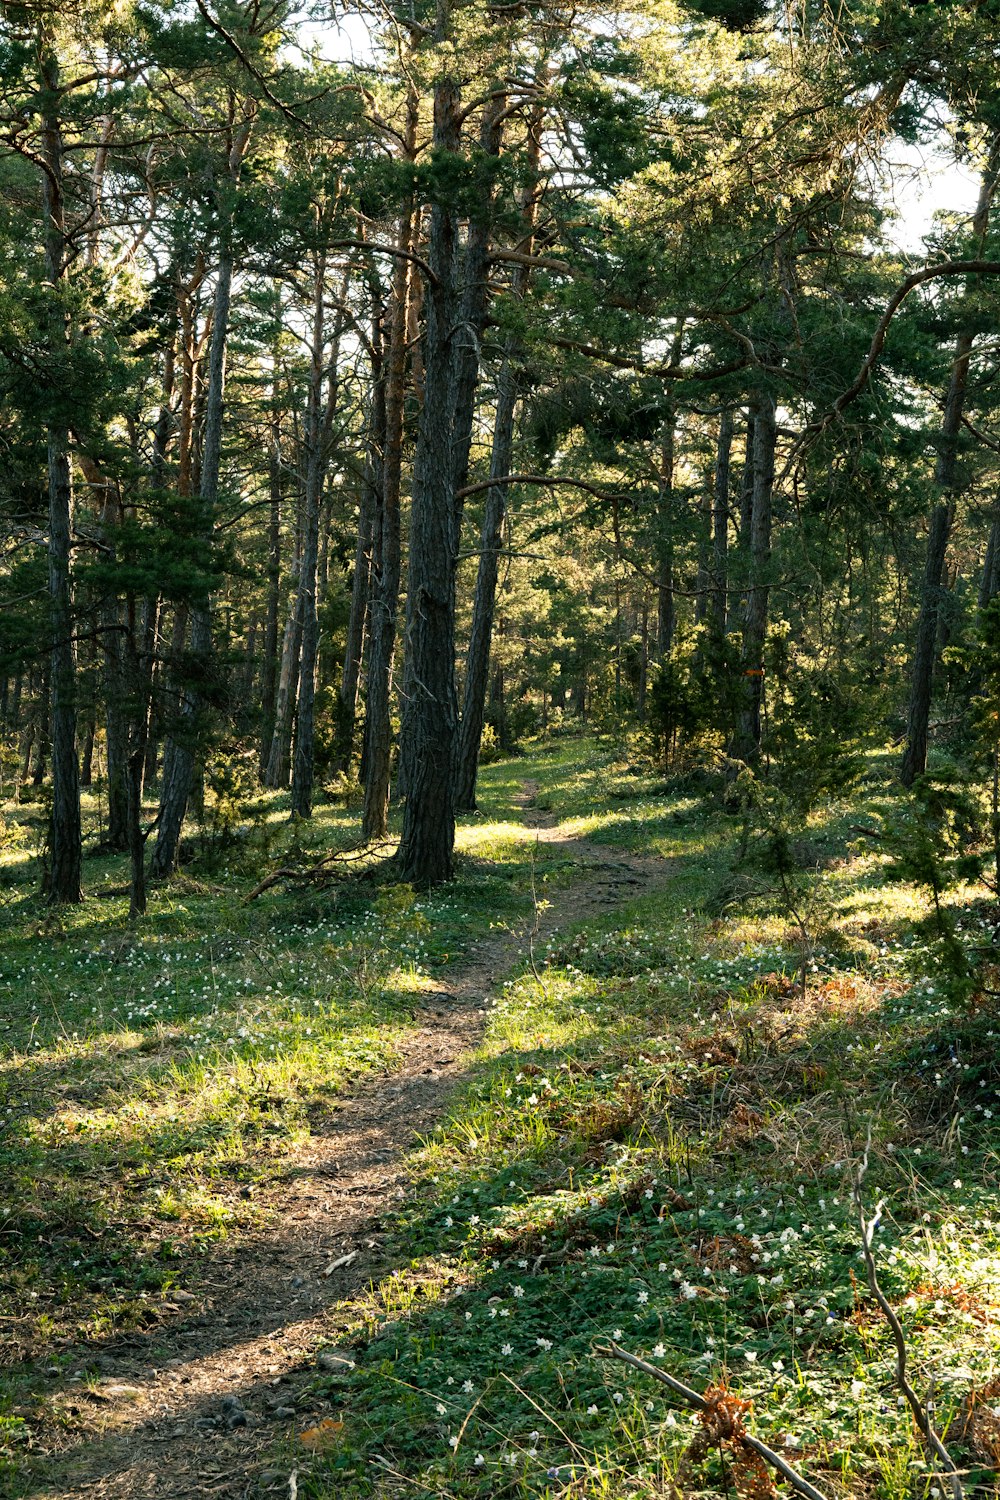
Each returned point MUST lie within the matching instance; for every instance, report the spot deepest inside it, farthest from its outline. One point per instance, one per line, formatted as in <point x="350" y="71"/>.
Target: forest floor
<point x="335" y="1192"/>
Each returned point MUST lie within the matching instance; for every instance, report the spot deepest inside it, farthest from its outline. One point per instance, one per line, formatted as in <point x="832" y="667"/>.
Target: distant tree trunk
<point x="720" y="531"/>
<point x="317" y="440"/>
<point x="87" y="755"/>
<point x="269" y="675"/>
<point x="477" y="662"/>
<point x="177" y="785"/>
<point x="279" y="761"/>
<point x="65" y="876"/>
<point x="350" y="677"/>
<point x="933" y="589"/>
<point x="665" y="544"/>
<point x="758" y="584"/>
<point x="990" y="582"/>
<point x="390" y="395"/>
<point x="925" y="646"/>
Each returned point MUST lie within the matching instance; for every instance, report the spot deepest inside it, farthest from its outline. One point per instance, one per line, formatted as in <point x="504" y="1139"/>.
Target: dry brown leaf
<point x="323" y="1435"/>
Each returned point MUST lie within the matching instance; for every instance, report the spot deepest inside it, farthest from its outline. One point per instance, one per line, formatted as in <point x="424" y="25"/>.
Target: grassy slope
<point x="657" y="1149"/>
<point x="656" y="1146"/>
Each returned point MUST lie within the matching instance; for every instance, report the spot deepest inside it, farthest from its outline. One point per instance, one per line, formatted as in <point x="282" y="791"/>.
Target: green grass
<point x="656" y="1145"/>
<point x="658" y="1148"/>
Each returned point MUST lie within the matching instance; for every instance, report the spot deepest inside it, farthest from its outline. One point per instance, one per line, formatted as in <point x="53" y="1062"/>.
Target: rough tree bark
<point x="430" y="712"/>
<point x="453" y="348"/>
<point x="65" y="882"/>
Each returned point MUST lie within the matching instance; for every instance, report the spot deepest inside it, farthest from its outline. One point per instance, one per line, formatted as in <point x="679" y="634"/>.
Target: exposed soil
<point x="244" y="1347"/>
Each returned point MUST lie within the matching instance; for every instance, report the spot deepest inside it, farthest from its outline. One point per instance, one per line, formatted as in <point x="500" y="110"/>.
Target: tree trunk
<point x="177" y="786"/>
<point x="350" y="677"/>
<point x="317" y="438"/>
<point x="720" y="532"/>
<point x="269" y="676"/>
<point x="758" y="584"/>
<point x="279" y="761"/>
<point x="990" y="582"/>
<point x="933" y="590"/>
<point x="925" y="646"/>
<point x="430" y="713"/>
<point x="65" y="876"/>
<point x="477" y="663"/>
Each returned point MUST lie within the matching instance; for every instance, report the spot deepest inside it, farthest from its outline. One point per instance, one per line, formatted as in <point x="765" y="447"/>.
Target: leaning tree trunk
<point x="65" y="882"/>
<point x="749" y="727"/>
<point x="933" y="590"/>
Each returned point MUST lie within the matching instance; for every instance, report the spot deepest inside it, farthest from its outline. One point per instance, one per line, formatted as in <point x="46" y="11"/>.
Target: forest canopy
<point x="381" y="379"/>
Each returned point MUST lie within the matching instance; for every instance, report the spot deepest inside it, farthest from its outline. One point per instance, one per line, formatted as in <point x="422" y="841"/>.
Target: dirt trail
<point x="156" y="1426"/>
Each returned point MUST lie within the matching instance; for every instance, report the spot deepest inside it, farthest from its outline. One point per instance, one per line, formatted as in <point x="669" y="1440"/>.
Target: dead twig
<point x="698" y="1402"/>
<point x="921" y="1413"/>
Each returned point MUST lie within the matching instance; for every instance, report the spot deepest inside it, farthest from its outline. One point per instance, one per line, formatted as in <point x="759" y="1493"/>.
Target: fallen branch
<point x="323" y="868"/>
<point x="921" y="1413"/>
<point x="698" y="1402"/>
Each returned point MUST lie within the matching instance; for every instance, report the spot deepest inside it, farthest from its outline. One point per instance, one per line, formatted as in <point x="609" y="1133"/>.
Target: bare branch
<point x="795" y="1479"/>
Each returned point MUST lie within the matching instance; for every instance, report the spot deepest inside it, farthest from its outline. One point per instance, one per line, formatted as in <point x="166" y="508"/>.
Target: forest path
<point x="194" y="1407"/>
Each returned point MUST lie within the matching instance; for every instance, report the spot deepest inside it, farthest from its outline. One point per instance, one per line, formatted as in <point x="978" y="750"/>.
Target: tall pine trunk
<point x="430" y="710"/>
<point x="65" y="876"/>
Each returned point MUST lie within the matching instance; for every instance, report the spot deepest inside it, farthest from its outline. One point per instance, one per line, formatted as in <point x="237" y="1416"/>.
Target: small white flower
<point x="659" y="1350"/>
<point x="618" y="1398"/>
